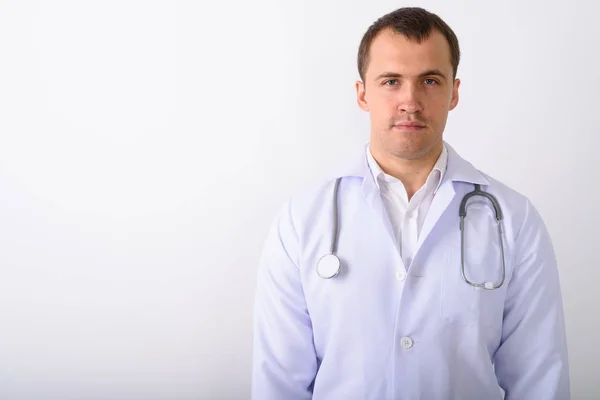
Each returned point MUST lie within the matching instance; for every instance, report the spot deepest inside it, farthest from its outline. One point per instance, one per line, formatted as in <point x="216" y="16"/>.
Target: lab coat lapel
<point x="457" y="170"/>
<point x="373" y="198"/>
<point x="440" y="203"/>
<point x="360" y="168"/>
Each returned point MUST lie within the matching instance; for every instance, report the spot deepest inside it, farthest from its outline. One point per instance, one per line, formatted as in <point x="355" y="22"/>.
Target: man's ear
<point x="361" y="96"/>
<point x="454" y="99"/>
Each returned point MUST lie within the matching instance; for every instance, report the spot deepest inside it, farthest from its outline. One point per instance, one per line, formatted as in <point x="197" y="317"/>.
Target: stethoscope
<point x="329" y="265"/>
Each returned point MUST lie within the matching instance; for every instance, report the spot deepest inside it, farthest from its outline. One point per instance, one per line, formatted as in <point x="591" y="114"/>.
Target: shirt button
<point x="406" y="342"/>
<point x="401" y="275"/>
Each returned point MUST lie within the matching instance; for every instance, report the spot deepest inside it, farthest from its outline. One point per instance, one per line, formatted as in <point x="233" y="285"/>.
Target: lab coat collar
<point x="458" y="169"/>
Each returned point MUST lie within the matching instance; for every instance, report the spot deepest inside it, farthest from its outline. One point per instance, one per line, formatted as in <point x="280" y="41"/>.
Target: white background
<point x="145" y="147"/>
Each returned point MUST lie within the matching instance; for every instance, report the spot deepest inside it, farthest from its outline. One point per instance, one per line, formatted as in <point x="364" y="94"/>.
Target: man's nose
<point x="410" y="101"/>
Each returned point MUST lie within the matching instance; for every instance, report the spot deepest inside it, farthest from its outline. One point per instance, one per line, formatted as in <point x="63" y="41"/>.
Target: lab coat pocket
<point x="462" y="303"/>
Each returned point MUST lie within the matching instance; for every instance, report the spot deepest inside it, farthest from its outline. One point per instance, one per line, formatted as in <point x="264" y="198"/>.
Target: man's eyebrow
<point x="388" y="75"/>
<point x="430" y="72"/>
<point x="433" y="72"/>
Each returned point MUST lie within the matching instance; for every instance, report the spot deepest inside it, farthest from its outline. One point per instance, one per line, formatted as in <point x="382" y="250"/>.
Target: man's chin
<point x="411" y="149"/>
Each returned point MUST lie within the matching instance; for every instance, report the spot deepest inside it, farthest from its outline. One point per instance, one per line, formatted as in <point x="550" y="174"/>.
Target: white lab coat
<point x="381" y="331"/>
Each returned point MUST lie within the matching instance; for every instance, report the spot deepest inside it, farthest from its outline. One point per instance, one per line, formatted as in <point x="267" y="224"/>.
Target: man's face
<point x="408" y="91"/>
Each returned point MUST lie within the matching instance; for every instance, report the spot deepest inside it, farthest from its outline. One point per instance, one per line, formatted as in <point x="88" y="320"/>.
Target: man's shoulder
<point x="516" y="205"/>
<point x="502" y="189"/>
<point x="308" y="198"/>
<point x="317" y="193"/>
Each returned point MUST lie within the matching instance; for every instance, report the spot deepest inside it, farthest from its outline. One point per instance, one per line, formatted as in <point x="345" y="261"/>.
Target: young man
<point x="418" y="308"/>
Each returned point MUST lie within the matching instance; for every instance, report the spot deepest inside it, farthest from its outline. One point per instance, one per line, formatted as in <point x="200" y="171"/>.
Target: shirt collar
<point x="457" y="170"/>
<point x="435" y="176"/>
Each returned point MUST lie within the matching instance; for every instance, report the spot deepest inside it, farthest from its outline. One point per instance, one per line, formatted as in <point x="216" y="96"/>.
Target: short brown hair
<point x="415" y="23"/>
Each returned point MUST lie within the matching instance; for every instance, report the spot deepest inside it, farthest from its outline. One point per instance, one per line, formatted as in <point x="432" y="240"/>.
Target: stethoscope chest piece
<point x="328" y="266"/>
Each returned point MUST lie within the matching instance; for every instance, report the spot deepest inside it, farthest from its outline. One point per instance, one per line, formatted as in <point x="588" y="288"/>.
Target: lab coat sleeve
<point x="532" y="362"/>
<point x="284" y="359"/>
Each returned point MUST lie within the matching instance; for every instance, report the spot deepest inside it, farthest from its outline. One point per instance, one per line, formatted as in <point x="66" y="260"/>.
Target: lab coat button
<point x="401" y="275"/>
<point x="406" y="342"/>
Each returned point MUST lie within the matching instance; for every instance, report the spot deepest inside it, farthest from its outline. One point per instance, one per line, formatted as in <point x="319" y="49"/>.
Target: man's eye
<point x="430" y="81"/>
<point x="391" y="82"/>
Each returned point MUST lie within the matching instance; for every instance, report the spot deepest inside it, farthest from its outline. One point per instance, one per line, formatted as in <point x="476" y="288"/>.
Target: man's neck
<point x="412" y="173"/>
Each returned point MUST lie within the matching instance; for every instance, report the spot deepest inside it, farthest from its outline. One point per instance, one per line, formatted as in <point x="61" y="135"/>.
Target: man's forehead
<point x="391" y="48"/>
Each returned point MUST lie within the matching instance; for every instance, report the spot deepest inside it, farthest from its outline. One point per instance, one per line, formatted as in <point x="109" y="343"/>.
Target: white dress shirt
<point x="406" y="216"/>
